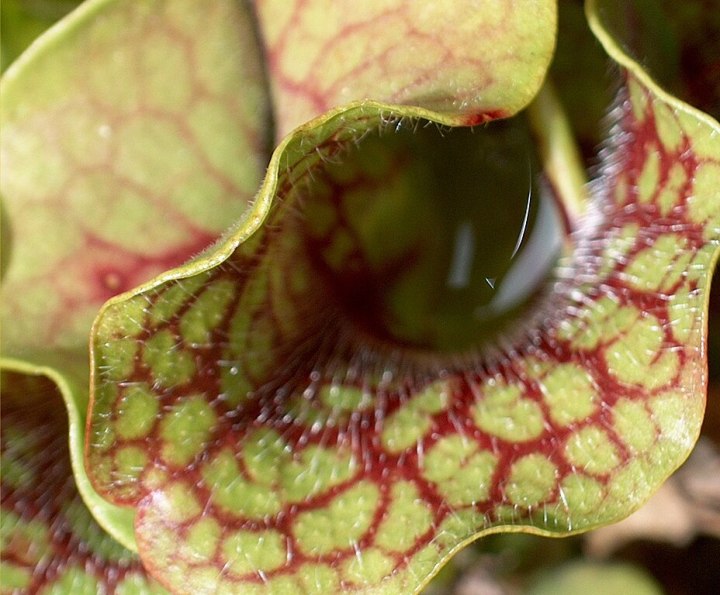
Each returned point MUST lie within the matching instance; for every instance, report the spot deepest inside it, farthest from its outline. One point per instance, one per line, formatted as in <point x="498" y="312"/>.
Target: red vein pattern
<point x="283" y="452"/>
<point x="446" y="56"/>
<point x="49" y="538"/>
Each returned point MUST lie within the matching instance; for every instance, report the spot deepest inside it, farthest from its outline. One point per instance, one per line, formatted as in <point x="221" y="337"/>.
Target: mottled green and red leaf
<point x="131" y="139"/>
<point x="49" y="541"/>
<point x="283" y="451"/>
<point x="262" y="439"/>
<point x="126" y="150"/>
<point x="468" y="62"/>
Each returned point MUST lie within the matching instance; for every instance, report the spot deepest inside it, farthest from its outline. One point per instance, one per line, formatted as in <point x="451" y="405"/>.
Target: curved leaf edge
<point x="52" y="36"/>
<point x="623" y="59"/>
<point x="714" y="267"/>
<point x="256" y="215"/>
<point x="116" y="520"/>
<point x="616" y="53"/>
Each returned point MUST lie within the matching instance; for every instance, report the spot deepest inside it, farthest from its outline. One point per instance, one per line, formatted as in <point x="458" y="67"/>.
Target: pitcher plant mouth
<point x="399" y="252"/>
<point x="428" y="244"/>
<point x="258" y="356"/>
<point x="410" y="252"/>
<point x="425" y="327"/>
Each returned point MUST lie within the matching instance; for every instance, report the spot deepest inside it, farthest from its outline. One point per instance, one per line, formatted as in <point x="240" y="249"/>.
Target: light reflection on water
<point x="434" y="240"/>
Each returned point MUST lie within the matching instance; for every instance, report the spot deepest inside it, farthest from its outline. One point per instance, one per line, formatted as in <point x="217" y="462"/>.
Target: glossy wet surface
<point x="434" y="239"/>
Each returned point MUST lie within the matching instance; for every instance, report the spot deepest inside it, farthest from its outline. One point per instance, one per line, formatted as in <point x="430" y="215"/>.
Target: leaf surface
<point x="112" y="172"/>
<point x="22" y="22"/>
<point x="49" y="541"/>
<point x="286" y="452"/>
<point x="469" y="62"/>
<point x="126" y="149"/>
